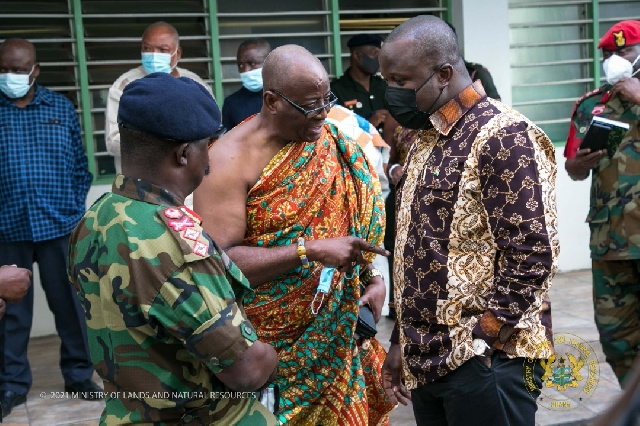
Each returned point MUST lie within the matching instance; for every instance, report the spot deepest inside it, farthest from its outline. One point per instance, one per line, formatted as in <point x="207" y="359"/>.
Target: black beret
<point x="364" y="40"/>
<point x="172" y="108"/>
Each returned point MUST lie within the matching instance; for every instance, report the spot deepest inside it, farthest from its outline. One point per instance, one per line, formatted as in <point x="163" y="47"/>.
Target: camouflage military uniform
<point x="614" y="220"/>
<point x="160" y="303"/>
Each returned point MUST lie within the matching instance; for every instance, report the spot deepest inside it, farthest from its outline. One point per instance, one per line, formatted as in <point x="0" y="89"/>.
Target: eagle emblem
<point x="619" y="39"/>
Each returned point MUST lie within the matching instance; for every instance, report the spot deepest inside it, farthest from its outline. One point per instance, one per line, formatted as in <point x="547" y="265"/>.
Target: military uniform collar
<point x="142" y="190"/>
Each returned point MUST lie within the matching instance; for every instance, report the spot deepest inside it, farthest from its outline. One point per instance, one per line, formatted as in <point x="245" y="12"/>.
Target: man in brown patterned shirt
<point x="476" y="240"/>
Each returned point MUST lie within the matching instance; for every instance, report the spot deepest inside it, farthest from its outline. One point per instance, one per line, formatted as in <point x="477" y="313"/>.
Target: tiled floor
<point x="572" y="314"/>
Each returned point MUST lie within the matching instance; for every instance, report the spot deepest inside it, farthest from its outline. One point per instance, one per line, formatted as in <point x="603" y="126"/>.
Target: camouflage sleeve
<point x="198" y="303"/>
<point x="199" y="308"/>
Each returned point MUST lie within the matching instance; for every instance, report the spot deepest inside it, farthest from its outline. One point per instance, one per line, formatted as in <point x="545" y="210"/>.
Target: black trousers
<point x="474" y="394"/>
<point x="15" y="326"/>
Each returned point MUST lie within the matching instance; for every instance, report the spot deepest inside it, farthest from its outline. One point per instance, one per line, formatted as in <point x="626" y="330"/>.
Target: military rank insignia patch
<point x="200" y="248"/>
<point x="179" y="225"/>
<point x="173" y="213"/>
<point x="191" y="234"/>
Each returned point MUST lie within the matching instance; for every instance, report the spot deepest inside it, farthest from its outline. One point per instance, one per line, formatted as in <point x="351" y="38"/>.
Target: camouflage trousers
<point x="616" y="300"/>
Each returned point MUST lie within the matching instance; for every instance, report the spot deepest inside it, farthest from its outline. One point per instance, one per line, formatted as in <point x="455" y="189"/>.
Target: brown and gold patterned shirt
<point x="477" y="238"/>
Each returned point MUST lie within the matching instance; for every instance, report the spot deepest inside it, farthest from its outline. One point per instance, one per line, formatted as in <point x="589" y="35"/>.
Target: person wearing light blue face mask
<point x="158" y="61"/>
<point x="16" y="85"/>
<point x="17" y="76"/>
<point x="160" y="52"/>
<point x="248" y="99"/>
<point x="46" y="178"/>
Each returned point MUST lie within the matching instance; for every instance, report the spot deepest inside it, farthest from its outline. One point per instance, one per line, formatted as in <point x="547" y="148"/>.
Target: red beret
<point x="622" y="34"/>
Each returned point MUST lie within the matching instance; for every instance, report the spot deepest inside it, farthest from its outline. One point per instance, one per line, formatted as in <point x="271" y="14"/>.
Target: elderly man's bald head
<point x="163" y="27"/>
<point x="288" y="65"/>
<point x="19" y="44"/>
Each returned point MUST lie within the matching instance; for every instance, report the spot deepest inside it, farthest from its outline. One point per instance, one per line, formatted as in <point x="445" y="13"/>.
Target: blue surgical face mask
<point x="157" y="62"/>
<point x="252" y="80"/>
<point x="15" y="86"/>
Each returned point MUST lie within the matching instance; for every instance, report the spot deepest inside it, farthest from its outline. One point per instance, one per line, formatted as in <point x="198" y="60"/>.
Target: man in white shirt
<point x="161" y="52"/>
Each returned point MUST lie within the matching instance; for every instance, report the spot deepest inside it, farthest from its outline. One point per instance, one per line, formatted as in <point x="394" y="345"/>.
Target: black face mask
<point x="403" y="106"/>
<point x="370" y="65"/>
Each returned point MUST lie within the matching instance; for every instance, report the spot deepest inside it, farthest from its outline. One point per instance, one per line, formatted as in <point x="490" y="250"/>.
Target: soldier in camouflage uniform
<point x="614" y="217"/>
<point x="166" y="332"/>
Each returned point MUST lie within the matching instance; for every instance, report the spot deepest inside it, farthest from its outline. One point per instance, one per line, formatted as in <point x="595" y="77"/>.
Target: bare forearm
<point x="260" y="264"/>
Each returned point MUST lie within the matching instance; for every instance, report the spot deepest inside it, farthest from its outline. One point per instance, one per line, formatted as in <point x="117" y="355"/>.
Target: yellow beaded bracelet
<point x="302" y="253"/>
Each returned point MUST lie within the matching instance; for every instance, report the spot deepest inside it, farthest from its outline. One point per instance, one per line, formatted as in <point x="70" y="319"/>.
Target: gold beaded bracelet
<point x="367" y="276"/>
<point x="302" y="253"/>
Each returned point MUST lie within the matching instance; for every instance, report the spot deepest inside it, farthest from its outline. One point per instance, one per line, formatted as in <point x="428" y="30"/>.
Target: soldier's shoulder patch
<point x="186" y="227"/>
<point x="595" y="92"/>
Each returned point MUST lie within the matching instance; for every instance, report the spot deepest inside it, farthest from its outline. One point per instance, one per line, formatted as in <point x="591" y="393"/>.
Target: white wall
<point x="573" y="205"/>
<point x="483" y="34"/>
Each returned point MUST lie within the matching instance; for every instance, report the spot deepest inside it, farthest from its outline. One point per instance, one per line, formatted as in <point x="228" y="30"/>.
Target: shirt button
<point x="370" y="96"/>
<point x="187" y="418"/>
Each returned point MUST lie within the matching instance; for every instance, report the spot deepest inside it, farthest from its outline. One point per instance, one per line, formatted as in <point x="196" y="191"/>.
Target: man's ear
<point x="181" y="154"/>
<point x="445" y="74"/>
<point x="36" y="71"/>
<point x="269" y="99"/>
<point x="179" y="53"/>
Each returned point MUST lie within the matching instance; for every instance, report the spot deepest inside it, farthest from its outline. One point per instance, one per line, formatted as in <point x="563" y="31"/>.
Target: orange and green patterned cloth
<point x="317" y="190"/>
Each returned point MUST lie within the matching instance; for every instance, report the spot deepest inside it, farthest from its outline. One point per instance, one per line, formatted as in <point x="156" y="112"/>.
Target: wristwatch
<point x="480" y="347"/>
<point x="368" y="275"/>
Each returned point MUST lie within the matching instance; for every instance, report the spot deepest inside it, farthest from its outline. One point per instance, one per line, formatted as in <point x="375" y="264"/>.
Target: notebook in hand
<point x="604" y="133"/>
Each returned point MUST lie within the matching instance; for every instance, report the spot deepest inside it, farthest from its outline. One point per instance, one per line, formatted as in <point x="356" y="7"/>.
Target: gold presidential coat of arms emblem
<point x="570" y="375"/>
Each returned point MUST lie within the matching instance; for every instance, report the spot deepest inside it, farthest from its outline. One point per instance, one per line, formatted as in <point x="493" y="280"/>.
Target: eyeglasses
<point x="309" y="113"/>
